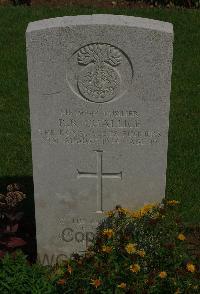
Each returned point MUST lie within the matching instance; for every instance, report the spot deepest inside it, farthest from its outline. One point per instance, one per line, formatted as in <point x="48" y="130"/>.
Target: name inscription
<point x="99" y="127"/>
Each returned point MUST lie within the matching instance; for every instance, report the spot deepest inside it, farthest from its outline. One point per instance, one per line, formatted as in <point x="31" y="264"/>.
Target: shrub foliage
<point x="140" y="252"/>
<point x="18" y="277"/>
<point x="10" y="216"/>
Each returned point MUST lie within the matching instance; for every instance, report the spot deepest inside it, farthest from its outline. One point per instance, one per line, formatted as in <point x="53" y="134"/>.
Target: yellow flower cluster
<point x="141" y="252"/>
<point x="181" y="237"/>
<point x="134" y="268"/>
<point x="130" y="248"/>
<point x="109" y="233"/>
<point x="125" y="211"/>
<point x="106" y="249"/>
<point x="162" y="275"/>
<point x="138" y="213"/>
<point x="109" y="213"/>
<point x="122" y="285"/>
<point x="173" y="202"/>
<point x="145" y="209"/>
<point x="191" y="267"/>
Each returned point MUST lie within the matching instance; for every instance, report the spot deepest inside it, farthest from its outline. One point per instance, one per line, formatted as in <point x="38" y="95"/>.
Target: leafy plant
<point x="18" y="277"/>
<point x="10" y="215"/>
<point x="140" y="251"/>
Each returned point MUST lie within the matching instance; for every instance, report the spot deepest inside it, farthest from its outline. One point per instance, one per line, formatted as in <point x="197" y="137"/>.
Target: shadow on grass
<point x="27" y="229"/>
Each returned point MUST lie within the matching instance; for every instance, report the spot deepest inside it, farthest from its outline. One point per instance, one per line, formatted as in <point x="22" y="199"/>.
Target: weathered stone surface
<point x="99" y="89"/>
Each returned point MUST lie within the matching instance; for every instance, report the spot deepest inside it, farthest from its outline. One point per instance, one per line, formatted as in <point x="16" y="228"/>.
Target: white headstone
<point x="99" y="90"/>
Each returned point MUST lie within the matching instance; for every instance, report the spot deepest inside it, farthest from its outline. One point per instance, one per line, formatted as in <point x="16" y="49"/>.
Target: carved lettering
<point x="117" y="126"/>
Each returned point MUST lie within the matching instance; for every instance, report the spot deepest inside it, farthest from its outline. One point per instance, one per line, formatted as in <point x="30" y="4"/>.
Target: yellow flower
<point x="109" y="213"/>
<point x="106" y="249"/>
<point x="141" y="252"/>
<point x="173" y="202"/>
<point x="125" y="211"/>
<point x="162" y="275"/>
<point x="109" y="233"/>
<point x="121" y="210"/>
<point x="122" y="285"/>
<point x="130" y="248"/>
<point x="181" y="237"/>
<point x="191" y="267"/>
<point x="147" y="207"/>
<point x="144" y="210"/>
<point x="95" y="282"/>
<point x="136" y="214"/>
<point x="135" y="268"/>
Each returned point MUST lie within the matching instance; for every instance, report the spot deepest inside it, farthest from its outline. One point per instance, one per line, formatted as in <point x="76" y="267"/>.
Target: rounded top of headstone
<point x="101" y="19"/>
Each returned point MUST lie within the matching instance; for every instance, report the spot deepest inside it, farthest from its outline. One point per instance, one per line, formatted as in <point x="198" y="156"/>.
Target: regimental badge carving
<point x="99" y="81"/>
<point x="100" y="72"/>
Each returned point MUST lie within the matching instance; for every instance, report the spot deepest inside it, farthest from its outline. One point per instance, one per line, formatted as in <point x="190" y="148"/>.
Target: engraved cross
<point x="99" y="175"/>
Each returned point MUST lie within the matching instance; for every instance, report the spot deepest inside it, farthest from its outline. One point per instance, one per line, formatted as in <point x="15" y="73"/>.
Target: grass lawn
<point x="183" y="155"/>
